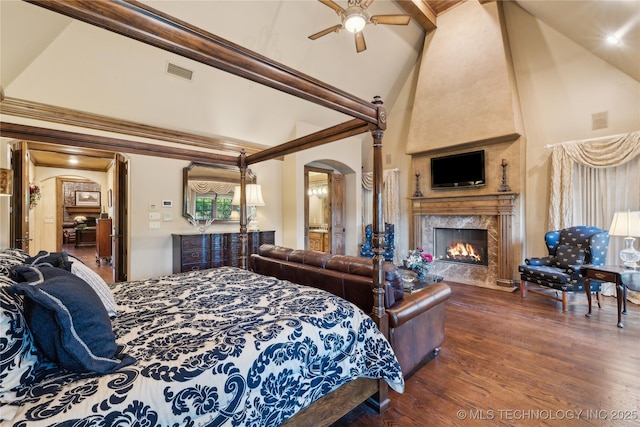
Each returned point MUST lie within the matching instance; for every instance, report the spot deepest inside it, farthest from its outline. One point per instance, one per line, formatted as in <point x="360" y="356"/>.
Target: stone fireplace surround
<point x="493" y="212"/>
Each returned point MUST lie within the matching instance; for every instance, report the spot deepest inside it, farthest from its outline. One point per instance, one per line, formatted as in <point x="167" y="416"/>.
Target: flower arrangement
<point x="34" y="195"/>
<point x="419" y="261"/>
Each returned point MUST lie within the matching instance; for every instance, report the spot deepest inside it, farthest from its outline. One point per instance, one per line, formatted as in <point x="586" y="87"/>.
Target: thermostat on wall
<point x="167" y="203"/>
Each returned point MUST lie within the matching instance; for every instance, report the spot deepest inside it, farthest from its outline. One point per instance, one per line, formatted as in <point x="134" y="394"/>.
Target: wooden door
<point x="337" y="230"/>
<point x="19" y="216"/>
<point x="120" y="220"/>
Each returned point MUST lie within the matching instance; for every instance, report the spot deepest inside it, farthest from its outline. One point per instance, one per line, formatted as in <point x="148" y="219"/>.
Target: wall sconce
<point x="627" y="224"/>
<point x="254" y="198"/>
<point x="6" y="182"/>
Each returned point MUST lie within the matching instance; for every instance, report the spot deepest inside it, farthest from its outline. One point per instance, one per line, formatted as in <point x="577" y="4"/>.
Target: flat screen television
<point x="458" y="170"/>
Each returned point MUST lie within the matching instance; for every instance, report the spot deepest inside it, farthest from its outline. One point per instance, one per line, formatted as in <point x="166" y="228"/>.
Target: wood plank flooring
<point x="509" y="361"/>
<point x="87" y="254"/>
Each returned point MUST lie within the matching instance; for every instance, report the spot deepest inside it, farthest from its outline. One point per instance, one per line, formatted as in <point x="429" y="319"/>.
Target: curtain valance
<point x="204" y="187"/>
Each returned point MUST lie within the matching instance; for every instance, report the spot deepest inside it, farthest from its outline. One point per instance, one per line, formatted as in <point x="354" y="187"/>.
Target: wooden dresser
<point x="200" y="251"/>
<point x="103" y="240"/>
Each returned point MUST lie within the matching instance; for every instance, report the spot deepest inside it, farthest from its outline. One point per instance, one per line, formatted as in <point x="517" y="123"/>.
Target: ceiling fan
<point x="355" y="17"/>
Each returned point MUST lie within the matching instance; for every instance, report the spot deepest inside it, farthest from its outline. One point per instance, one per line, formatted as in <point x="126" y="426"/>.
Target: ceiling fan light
<point x="355" y="20"/>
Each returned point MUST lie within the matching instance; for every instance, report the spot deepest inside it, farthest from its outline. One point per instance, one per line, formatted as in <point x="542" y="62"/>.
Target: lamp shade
<point x="6" y="182"/>
<point x="254" y="195"/>
<point x="236" y="196"/>
<point x="625" y="224"/>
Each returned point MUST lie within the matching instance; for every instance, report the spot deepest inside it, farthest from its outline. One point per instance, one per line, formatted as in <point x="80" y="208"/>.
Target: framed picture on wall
<point x="87" y="198"/>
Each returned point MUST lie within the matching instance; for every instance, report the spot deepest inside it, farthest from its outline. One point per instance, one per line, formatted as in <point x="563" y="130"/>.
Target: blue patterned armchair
<point x="569" y="248"/>
<point x="366" y="250"/>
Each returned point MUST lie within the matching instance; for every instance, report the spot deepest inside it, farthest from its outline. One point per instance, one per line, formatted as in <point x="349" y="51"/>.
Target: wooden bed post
<point x="244" y="249"/>
<point x="379" y="314"/>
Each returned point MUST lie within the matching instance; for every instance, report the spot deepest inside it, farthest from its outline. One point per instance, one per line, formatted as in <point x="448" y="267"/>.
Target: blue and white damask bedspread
<point x="217" y="347"/>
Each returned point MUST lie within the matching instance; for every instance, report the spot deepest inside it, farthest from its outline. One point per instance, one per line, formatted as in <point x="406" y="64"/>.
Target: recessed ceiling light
<point x="73" y="160"/>
<point x="613" y="40"/>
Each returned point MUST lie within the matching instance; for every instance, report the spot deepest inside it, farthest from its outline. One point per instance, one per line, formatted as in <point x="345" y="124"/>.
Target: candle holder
<point x="504" y="187"/>
<point x="417" y="193"/>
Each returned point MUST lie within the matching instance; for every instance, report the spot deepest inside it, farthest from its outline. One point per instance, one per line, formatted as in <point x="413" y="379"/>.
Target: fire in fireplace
<point x="461" y="245"/>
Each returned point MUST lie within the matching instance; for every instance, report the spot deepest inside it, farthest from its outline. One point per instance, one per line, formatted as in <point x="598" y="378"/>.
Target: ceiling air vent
<point x="179" y="71"/>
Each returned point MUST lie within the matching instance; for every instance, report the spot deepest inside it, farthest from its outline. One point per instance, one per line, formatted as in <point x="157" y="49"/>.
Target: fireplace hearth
<point x="467" y="246"/>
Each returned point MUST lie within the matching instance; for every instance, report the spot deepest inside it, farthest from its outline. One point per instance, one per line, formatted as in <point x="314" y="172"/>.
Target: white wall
<point x="348" y="152"/>
<point x="560" y="85"/>
<point x="154" y="179"/>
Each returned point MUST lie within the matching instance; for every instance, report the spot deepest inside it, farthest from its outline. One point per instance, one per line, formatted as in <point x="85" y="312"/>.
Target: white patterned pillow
<point x="100" y="287"/>
<point x="18" y="353"/>
<point x="10" y="258"/>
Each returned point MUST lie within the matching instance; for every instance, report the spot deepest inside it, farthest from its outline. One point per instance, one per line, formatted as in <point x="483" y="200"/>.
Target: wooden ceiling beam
<point x="421" y="11"/>
<point x="335" y="133"/>
<point x="103" y="143"/>
<point x="67" y="116"/>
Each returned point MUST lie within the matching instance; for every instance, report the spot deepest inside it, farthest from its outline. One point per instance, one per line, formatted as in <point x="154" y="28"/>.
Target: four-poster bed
<point x="142" y="23"/>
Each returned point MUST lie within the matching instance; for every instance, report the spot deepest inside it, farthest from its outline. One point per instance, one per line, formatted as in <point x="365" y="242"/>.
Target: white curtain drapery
<point x="590" y="181"/>
<point x="596" y="154"/>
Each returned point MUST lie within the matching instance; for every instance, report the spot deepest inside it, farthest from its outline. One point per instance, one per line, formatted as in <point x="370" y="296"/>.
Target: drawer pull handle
<point x="600" y="275"/>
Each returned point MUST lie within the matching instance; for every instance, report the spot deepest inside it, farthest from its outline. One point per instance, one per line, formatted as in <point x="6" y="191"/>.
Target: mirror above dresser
<point x="208" y="190"/>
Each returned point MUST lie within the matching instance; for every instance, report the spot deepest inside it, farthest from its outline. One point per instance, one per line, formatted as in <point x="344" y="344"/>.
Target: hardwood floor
<point x="87" y="254"/>
<point x="511" y="361"/>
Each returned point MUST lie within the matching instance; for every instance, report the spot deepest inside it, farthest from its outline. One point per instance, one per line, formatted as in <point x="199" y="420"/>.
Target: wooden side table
<point x="610" y="273"/>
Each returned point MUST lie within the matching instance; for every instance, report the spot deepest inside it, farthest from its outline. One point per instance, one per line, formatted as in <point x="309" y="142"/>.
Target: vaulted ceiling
<point x="49" y="58"/>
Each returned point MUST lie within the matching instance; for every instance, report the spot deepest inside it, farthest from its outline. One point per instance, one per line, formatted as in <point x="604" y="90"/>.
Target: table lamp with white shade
<point x="253" y="199"/>
<point x="627" y="224"/>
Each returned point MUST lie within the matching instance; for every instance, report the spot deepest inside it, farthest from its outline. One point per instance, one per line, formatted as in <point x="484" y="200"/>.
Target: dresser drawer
<point x="194" y="257"/>
<point x="202" y="251"/>
<point x="193" y="267"/>
<point x="195" y="243"/>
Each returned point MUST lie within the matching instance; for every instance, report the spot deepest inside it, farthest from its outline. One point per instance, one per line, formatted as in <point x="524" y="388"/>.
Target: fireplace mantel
<point x="500" y="205"/>
<point x="485" y="204"/>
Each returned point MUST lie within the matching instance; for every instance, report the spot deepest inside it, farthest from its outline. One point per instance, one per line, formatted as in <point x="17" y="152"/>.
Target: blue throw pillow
<point x="53" y="259"/>
<point x="68" y="321"/>
<point x="567" y="256"/>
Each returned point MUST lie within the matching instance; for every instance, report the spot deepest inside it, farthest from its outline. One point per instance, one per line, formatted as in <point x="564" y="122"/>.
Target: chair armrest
<point x="574" y="269"/>
<point x="539" y="261"/>
<point x="413" y="305"/>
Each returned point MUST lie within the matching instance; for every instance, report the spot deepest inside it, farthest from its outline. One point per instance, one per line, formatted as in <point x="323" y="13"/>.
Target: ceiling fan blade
<point x="390" y="19"/>
<point x="360" y="44"/>
<point x="319" y="34"/>
<point x="366" y="3"/>
<point x="333" y="5"/>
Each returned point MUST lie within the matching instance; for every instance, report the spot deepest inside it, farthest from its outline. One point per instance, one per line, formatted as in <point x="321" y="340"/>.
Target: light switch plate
<point x="154" y="216"/>
<point x="154" y="225"/>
